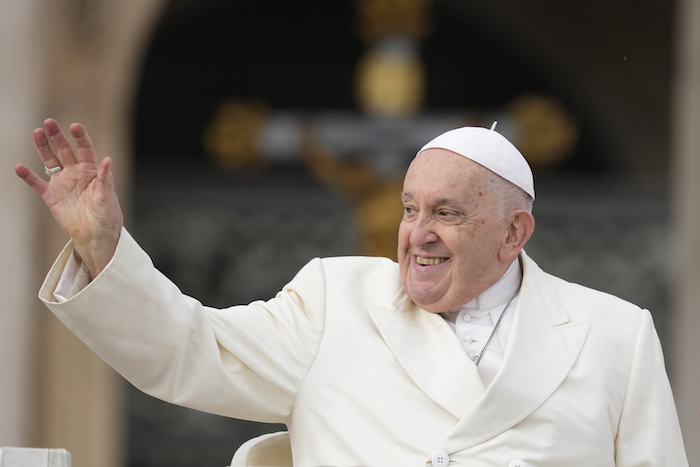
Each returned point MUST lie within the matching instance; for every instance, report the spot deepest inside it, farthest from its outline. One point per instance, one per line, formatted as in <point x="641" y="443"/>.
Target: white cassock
<point x="362" y="376"/>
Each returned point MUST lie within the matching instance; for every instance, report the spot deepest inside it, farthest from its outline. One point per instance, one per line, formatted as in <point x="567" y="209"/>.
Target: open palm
<point x="81" y="195"/>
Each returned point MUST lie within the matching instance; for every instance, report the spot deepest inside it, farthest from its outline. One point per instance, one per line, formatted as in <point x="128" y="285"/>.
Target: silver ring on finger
<point x="52" y="170"/>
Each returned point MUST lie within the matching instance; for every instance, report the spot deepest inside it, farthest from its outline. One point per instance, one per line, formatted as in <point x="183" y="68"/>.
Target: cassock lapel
<point x="543" y="347"/>
<point x="426" y="347"/>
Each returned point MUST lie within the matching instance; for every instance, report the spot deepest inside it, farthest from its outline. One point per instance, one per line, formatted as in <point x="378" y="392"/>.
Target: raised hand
<point x="80" y="195"/>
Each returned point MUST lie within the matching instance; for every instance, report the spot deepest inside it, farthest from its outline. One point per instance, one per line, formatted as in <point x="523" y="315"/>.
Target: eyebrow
<point x="448" y="202"/>
<point x="439" y="201"/>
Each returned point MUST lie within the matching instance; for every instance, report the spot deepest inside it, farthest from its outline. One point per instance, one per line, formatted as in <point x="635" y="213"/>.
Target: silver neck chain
<point x="495" y="328"/>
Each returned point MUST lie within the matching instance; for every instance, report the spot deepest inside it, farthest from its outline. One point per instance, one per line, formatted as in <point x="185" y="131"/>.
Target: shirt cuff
<point x="74" y="278"/>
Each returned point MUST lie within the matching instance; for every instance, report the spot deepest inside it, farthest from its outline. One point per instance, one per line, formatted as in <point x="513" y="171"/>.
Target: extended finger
<point x="64" y="151"/>
<point x="31" y="179"/>
<point x="41" y="141"/>
<point x="86" y="151"/>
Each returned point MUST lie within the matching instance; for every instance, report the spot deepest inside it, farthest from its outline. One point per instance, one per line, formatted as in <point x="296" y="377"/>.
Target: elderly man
<point x="465" y="353"/>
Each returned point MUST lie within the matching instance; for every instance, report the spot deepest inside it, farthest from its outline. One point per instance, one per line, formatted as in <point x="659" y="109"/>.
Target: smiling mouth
<point x="429" y="261"/>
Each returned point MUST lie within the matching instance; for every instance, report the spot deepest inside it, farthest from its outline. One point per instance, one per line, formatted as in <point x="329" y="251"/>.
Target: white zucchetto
<point x="491" y="150"/>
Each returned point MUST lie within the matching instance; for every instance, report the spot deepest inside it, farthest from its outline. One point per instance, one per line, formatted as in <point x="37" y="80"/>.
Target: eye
<point x="446" y="214"/>
<point x="408" y="210"/>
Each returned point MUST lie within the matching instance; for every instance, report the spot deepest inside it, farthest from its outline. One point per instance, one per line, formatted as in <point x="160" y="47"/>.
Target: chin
<point x="430" y="297"/>
<point x="429" y="304"/>
<point x="433" y="309"/>
<point x="440" y="304"/>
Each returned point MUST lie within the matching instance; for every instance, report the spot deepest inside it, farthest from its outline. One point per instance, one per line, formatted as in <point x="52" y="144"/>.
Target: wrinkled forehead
<point x="439" y="173"/>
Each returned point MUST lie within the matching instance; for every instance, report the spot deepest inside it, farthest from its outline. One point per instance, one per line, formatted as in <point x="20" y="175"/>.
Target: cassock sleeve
<point x="649" y="433"/>
<point x="245" y="361"/>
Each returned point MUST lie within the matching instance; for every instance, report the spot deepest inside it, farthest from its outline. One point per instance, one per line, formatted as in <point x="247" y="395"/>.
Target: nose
<point x="422" y="232"/>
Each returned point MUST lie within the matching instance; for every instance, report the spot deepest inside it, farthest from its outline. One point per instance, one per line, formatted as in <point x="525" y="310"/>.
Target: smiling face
<point x="451" y="232"/>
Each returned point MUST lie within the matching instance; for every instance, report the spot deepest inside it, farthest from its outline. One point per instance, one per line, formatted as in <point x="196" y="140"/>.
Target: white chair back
<point x="34" y="457"/>
<point x="269" y="450"/>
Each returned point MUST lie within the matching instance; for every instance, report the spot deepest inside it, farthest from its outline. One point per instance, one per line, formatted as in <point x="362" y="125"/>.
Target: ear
<point x="520" y="226"/>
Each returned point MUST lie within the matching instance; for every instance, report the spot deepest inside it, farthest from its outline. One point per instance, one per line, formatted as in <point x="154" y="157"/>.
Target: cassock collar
<point x="500" y="292"/>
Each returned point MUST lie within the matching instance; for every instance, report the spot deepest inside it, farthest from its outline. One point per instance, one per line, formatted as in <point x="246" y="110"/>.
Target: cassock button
<point x="517" y="463"/>
<point x="440" y="459"/>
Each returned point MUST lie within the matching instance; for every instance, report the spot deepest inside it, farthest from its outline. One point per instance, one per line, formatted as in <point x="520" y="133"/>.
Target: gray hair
<point x="512" y="198"/>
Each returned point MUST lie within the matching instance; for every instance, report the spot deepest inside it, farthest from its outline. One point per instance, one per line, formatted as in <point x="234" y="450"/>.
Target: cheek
<point x="459" y="241"/>
<point x="404" y="233"/>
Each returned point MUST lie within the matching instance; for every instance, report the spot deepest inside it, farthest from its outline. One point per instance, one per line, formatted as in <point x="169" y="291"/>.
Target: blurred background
<point x="251" y="136"/>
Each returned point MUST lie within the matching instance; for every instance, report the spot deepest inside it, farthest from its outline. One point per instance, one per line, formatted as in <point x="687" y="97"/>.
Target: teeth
<point x="429" y="261"/>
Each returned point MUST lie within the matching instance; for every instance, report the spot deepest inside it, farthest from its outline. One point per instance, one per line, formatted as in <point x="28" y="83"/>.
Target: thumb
<point x="104" y="175"/>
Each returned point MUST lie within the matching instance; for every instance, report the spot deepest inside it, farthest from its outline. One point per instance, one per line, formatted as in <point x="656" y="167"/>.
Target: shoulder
<point x="374" y="278"/>
<point x="350" y="269"/>
<point x="360" y="264"/>
<point x="616" y="326"/>
<point x="580" y="301"/>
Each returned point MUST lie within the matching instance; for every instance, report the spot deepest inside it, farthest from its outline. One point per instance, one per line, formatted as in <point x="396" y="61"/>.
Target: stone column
<point x="75" y="61"/>
<point x="685" y="320"/>
<point x="19" y="247"/>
